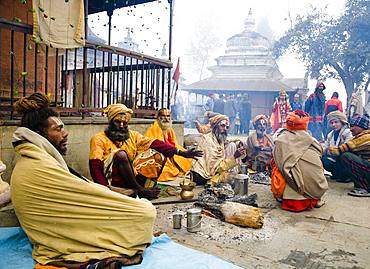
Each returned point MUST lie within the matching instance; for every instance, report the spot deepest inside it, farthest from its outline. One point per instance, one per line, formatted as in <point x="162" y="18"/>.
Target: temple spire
<point x="249" y="23"/>
<point x="128" y="43"/>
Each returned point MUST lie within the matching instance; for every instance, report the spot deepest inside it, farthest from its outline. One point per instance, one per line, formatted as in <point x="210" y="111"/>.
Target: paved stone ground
<point x="336" y="235"/>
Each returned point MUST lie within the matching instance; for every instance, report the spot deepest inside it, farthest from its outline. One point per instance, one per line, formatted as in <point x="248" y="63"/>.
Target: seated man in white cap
<point x="114" y="160"/>
<point x="354" y="156"/>
<point x="339" y="135"/>
<point x="215" y="165"/>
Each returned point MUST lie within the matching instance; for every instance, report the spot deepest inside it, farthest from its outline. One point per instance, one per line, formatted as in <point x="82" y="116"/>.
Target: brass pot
<point x="187" y="190"/>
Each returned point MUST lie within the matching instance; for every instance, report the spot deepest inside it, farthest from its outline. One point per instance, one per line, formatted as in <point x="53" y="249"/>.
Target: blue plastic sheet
<point x="15" y="251"/>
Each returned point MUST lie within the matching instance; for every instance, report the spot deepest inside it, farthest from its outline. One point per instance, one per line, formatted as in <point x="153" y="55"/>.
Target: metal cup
<point x="241" y="184"/>
<point x="194" y="219"/>
<point x="176" y="218"/>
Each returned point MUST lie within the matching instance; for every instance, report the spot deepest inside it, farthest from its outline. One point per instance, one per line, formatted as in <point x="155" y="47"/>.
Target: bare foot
<point x="320" y="203"/>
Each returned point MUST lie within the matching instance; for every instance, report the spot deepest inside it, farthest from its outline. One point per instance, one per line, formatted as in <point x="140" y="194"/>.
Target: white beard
<point x="165" y="125"/>
<point x="221" y="137"/>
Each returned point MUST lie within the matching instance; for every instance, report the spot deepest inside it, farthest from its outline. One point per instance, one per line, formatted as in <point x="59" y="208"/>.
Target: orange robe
<point x="101" y="146"/>
<point x="297" y="174"/>
<point x="171" y="169"/>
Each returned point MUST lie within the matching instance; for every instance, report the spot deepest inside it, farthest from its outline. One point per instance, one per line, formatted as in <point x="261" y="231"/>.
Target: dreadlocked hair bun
<point x="35" y="101"/>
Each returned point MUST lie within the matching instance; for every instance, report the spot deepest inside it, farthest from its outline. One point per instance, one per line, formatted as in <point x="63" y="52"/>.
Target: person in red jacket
<point x="331" y="105"/>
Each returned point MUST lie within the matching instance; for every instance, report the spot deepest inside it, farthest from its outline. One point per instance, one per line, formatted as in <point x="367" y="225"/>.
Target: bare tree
<point x="333" y="47"/>
<point x="205" y="40"/>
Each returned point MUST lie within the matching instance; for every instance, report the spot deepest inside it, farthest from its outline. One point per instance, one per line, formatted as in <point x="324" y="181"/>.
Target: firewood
<point x="242" y="215"/>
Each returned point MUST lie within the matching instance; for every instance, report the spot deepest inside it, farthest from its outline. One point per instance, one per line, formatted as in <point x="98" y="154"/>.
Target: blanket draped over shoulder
<point x="254" y="154"/>
<point x="68" y="218"/>
<point x="297" y="156"/>
<point x="213" y="165"/>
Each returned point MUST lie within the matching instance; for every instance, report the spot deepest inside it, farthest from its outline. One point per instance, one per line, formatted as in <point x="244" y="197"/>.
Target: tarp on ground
<point x="16" y="252"/>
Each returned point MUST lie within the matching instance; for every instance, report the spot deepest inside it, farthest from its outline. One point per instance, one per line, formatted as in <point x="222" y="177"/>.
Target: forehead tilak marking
<point x="58" y="121"/>
<point x="224" y="122"/>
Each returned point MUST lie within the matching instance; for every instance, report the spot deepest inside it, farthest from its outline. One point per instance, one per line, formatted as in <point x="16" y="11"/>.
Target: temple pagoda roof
<point x="209" y="85"/>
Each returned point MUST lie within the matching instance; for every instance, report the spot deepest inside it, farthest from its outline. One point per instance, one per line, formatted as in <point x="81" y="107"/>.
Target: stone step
<point x="8" y="217"/>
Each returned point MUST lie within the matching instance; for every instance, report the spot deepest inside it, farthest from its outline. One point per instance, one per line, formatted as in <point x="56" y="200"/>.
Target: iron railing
<point x="81" y="80"/>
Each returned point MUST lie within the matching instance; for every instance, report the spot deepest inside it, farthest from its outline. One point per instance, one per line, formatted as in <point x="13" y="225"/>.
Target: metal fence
<point x="81" y="80"/>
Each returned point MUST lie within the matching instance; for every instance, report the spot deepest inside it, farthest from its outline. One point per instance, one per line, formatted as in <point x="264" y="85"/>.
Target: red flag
<point x="176" y="74"/>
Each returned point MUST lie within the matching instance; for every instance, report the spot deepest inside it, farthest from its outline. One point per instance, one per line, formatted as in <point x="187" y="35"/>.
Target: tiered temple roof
<point x="247" y="65"/>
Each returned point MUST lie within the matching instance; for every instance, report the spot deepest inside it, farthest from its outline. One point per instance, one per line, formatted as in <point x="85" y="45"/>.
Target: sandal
<point x="359" y="193"/>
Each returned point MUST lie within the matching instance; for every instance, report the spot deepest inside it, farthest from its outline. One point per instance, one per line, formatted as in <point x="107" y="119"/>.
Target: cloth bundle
<point x="4" y="187"/>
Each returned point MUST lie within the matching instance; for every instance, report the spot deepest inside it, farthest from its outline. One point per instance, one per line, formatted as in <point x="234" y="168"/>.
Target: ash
<point x="261" y="178"/>
<point x="214" y="229"/>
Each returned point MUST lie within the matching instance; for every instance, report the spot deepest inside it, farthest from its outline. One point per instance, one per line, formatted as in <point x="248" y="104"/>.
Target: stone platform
<point x="80" y="133"/>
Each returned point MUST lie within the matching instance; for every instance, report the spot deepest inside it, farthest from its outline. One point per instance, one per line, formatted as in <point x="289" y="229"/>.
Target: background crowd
<point x="239" y="110"/>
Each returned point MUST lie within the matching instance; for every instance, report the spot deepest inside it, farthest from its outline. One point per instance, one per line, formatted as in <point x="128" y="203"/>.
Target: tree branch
<point x="339" y="69"/>
<point x="367" y="83"/>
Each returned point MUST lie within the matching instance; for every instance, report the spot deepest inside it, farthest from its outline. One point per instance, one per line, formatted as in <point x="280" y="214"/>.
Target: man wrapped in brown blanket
<point x="69" y="220"/>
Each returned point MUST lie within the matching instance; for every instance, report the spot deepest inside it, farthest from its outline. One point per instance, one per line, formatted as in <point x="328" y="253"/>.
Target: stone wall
<point x="80" y="132"/>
